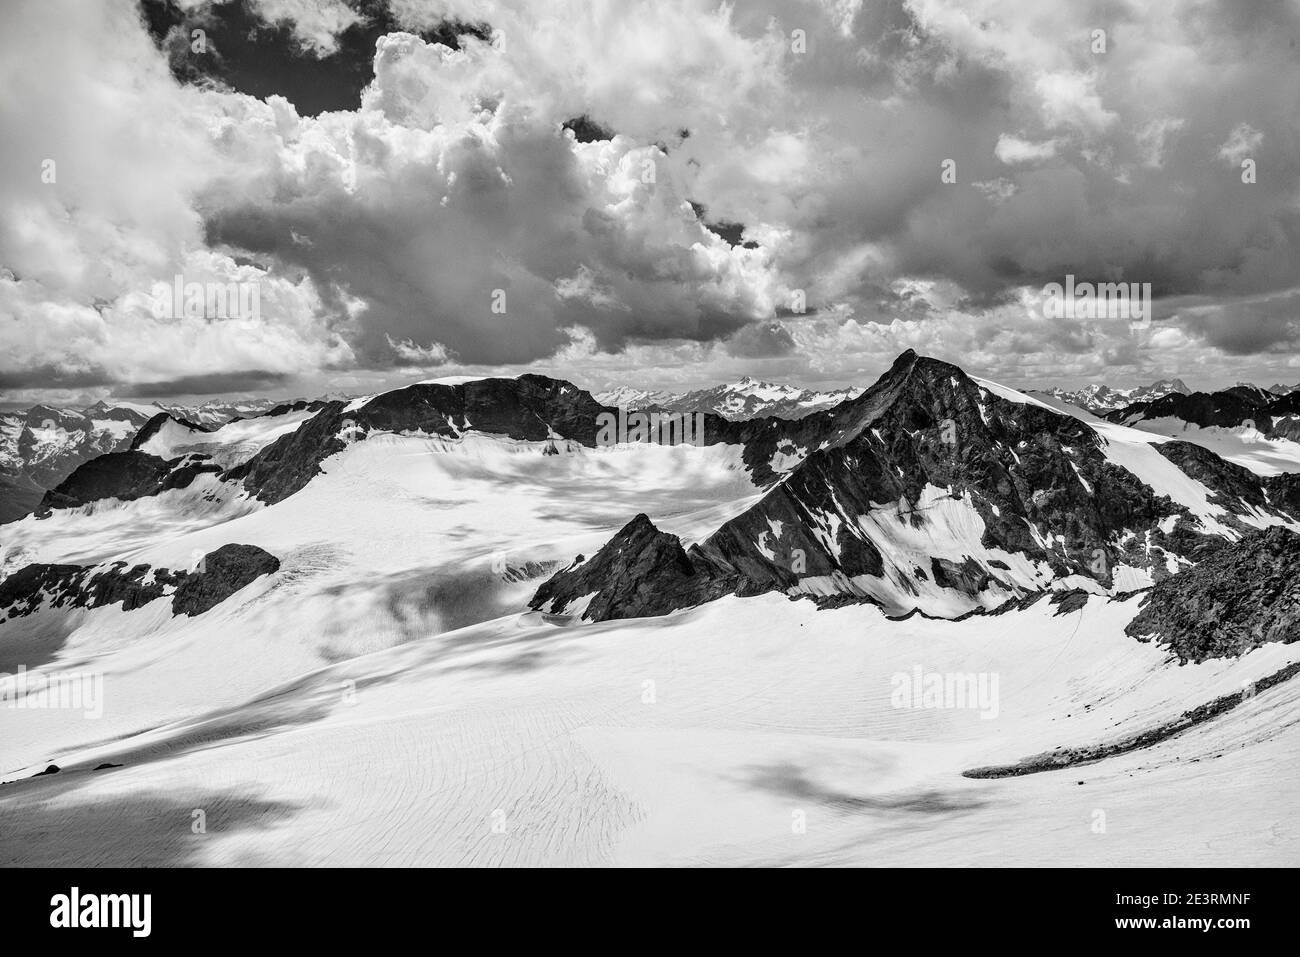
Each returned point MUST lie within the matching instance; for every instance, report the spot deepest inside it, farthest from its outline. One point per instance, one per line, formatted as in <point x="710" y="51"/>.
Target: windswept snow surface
<point x="401" y="538"/>
<point x="749" y="731"/>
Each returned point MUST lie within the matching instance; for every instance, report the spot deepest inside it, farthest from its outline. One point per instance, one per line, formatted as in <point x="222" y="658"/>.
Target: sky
<point x="664" y="194"/>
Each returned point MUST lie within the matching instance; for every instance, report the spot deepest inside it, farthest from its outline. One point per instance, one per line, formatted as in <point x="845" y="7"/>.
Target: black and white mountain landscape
<point x="488" y="433"/>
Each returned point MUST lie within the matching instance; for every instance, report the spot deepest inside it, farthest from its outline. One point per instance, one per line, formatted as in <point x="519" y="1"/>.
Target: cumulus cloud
<point x="1012" y="150"/>
<point x="1241" y="143"/>
<point x="445" y="215"/>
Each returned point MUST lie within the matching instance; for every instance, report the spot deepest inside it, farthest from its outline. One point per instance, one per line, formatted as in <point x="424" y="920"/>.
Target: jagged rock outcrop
<point x="286" y="465"/>
<point x="120" y="475"/>
<point x="640" y="572"/>
<point x="1284" y="491"/>
<point x="220" y="574"/>
<point x="1243" y="595"/>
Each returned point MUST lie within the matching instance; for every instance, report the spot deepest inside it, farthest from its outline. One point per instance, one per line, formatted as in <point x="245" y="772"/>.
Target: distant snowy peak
<point x="746" y="398"/>
<point x="629" y="398"/>
<point x="43" y="446"/>
<point x="1102" y="398"/>
<point x="219" y="412"/>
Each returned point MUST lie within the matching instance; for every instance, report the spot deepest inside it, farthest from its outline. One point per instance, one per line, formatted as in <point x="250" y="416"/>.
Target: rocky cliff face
<point x="1243" y="595"/>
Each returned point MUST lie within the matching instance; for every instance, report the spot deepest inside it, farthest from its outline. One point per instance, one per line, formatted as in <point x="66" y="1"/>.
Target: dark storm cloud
<point x="247" y="54"/>
<point x="216" y="383"/>
<point x="761" y="341"/>
<point x="52" y="377"/>
<point x="498" y="197"/>
<point x="1247" y="327"/>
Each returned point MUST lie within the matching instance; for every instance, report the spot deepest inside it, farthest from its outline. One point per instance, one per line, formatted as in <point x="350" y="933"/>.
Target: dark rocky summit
<point x="640" y="572"/>
<point x="1240" y="597"/>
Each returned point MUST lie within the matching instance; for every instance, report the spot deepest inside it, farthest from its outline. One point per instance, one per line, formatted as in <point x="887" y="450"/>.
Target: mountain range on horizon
<point x="42" y="445"/>
<point x="749" y="396"/>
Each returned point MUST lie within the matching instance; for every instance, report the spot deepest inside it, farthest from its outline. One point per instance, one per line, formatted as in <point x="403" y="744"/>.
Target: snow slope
<point x="228" y="445"/>
<point x="755" y="731"/>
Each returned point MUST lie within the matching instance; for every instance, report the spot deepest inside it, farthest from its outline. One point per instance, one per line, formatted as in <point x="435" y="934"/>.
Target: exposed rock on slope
<point x="1235" y="488"/>
<point x="1242" y="596"/>
<point x="220" y="574"/>
<point x="124" y="476"/>
<point x="640" y="572"/>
